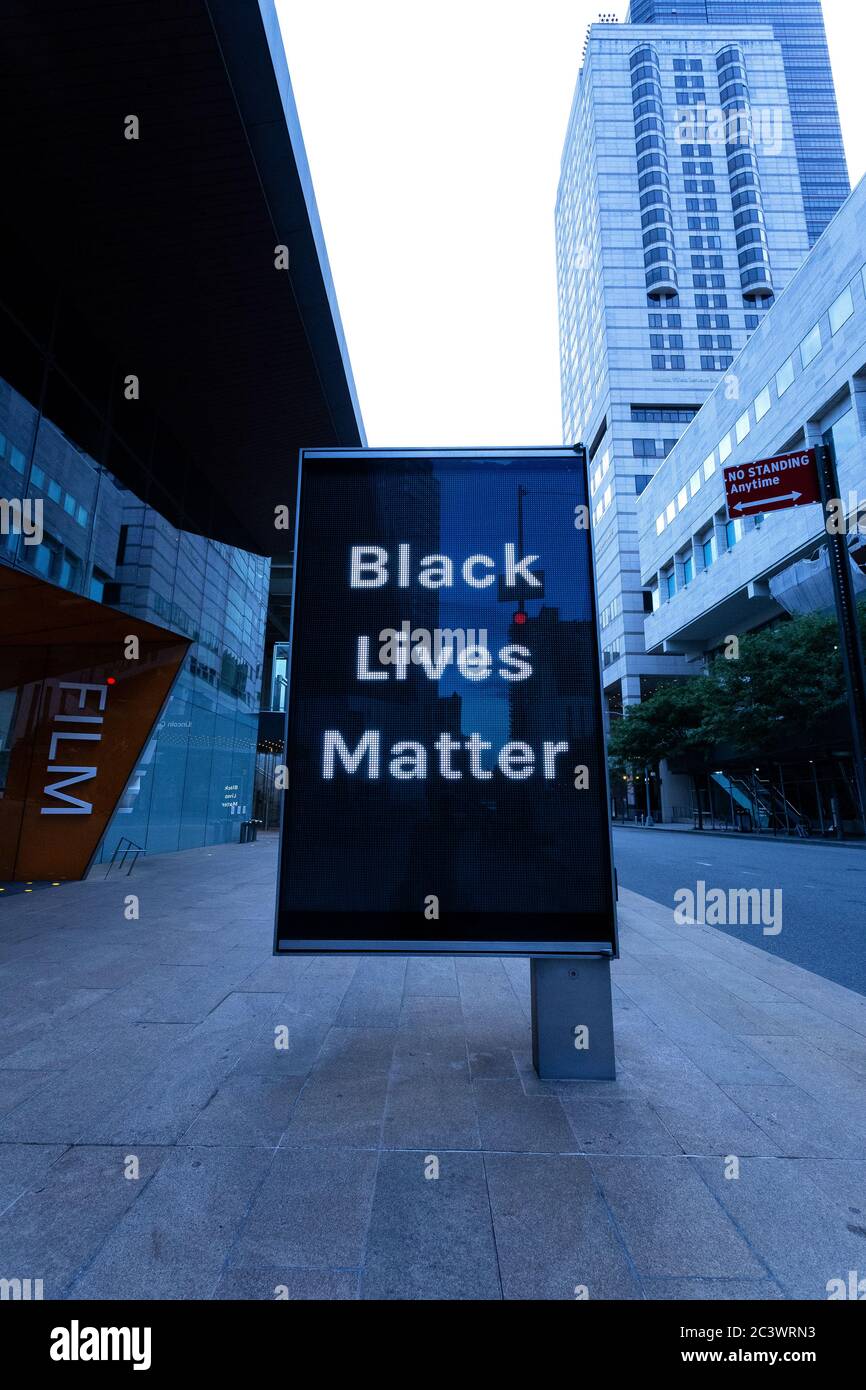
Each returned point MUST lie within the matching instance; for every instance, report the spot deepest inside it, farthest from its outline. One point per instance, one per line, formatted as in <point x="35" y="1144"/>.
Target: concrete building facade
<point x="799" y="27"/>
<point x="157" y="381"/>
<point x="799" y="383"/>
<point x="679" y="217"/>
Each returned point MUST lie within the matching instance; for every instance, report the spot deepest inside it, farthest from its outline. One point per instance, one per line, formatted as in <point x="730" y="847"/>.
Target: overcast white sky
<point x="434" y="134"/>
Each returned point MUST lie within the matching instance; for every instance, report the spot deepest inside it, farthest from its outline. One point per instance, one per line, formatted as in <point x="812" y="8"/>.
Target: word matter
<point x="408" y="760"/>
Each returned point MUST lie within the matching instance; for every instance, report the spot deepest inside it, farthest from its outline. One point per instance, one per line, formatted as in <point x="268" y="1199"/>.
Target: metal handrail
<point x="129" y="846"/>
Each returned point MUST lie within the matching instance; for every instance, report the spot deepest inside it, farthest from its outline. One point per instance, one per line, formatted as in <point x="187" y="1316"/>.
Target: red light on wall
<point x="520" y="618"/>
<point x="110" y="680"/>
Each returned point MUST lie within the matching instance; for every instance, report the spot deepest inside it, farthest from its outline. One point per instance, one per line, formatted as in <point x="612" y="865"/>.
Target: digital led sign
<point x="445" y="773"/>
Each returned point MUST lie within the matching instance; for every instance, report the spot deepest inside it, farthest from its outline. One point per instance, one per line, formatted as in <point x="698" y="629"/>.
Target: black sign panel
<point x="445" y="751"/>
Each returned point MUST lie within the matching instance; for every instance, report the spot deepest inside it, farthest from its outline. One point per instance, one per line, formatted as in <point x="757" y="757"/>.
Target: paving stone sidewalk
<point x="154" y="1143"/>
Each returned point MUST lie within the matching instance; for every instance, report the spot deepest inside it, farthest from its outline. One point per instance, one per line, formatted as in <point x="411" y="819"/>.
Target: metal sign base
<point x="572" y="1018"/>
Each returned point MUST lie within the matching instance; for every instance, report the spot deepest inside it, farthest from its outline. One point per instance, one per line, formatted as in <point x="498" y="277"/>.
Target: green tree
<point x="786" y="680"/>
<point x="669" y="723"/>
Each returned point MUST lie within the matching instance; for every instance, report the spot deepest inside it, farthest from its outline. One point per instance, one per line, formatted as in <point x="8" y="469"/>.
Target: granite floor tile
<point x="430" y="975"/>
<point x="356" y="1052"/>
<point x="430" y="1111"/>
<point x="709" y="1290"/>
<point x="288" y="1285"/>
<point x="245" y="1111"/>
<point x="496" y="1064"/>
<point x="800" y="1232"/>
<point x="798" y="1125"/>
<point x="509" y="1120"/>
<point x="341" y="1112"/>
<point x="16" y="1086"/>
<point x="554" y="1235"/>
<point x="174" y="1241"/>
<point x="626" y="1127"/>
<point x="430" y="1233"/>
<point x="671" y="1224"/>
<point x="312" y="1211"/>
<point x="703" y="1119"/>
<point x="58" y="1225"/>
<point x="22" y="1165"/>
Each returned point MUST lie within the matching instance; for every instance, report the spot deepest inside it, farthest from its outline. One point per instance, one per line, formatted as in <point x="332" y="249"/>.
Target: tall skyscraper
<point x="799" y="27"/>
<point x="679" y="218"/>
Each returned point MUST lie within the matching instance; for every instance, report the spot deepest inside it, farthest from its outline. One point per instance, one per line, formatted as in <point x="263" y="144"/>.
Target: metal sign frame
<point x="403" y="942"/>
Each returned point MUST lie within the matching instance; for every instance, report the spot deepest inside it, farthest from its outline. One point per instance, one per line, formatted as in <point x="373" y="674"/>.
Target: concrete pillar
<point x="698" y="556"/>
<point x="857" y="387"/>
<point x="630" y="690"/>
<point x="814" y="437"/>
<point x="572" y="1018"/>
<point x="676" y="791"/>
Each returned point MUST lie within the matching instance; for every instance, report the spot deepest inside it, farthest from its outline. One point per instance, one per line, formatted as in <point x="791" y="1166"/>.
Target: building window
<point x="671" y="585"/>
<point x="695" y="483"/>
<point x="709" y="552"/>
<point x="642" y="482"/>
<point x="43" y="560"/>
<point x="733" y="533"/>
<point x="841" y="310"/>
<point x="842" y="437"/>
<point x="96" y="590"/>
<point x="663" y="414"/>
<point x="709" y="466"/>
<point x="683" y="499"/>
<point x="725" y="449"/>
<point x="785" y="377"/>
<point x="762" y="404"/>
<point x="743" y="427"/>
<point x="70" y="567"/>
<point x="660" y="524"/>
<point x="811" y="346"/>
<point x="688" y="571"/>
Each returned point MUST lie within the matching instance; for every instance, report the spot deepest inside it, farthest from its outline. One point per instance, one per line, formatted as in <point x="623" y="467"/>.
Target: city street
<point x="823" y="888"/>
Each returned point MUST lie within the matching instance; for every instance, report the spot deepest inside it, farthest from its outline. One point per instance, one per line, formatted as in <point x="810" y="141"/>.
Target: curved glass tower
<point x="799" y="29"/>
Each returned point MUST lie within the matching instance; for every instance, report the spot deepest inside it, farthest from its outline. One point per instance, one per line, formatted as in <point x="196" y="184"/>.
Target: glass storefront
<point x="193" y="781"/>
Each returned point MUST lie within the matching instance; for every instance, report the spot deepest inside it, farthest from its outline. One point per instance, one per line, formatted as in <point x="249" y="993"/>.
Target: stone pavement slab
<point x="346" y="1127"/>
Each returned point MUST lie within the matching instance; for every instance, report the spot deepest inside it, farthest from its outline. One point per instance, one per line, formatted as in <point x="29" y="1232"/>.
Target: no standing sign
<point x="772" y="485"/>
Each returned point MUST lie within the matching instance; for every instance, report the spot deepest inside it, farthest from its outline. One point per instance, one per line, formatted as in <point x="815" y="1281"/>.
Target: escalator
<point x="759" y="806"/>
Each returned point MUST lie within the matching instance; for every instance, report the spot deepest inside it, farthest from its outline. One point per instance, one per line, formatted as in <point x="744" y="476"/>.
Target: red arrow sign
<point x="772" y="485"/>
